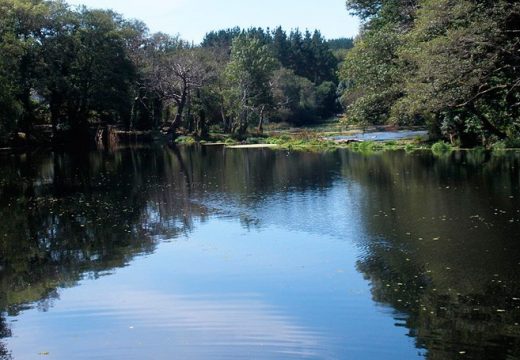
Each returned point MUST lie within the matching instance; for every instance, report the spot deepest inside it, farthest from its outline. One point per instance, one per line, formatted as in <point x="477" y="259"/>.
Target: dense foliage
<point x="69" y="73"/>
<point x="453" y="65"/>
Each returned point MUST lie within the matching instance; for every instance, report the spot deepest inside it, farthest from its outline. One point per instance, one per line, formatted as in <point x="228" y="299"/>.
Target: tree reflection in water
<point x="443" y="251"/>
<point x="440" y="245"/>
<point x="70" y="216"/>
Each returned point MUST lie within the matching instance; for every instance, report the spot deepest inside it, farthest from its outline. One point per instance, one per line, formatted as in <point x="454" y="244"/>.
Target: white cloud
<point x="193" y="326"/>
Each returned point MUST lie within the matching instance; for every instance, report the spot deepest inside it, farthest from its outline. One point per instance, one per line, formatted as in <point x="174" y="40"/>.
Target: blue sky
<point x="193" y="18"/>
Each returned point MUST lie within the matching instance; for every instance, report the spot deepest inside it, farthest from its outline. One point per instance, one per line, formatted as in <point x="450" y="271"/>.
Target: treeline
<point x="65" y="67"/>
<point x="452" y="65"/>
<point x="286" y="77"/>
<point x="69" y="71"/>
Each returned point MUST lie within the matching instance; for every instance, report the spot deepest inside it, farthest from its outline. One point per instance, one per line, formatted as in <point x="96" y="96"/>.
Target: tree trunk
<point x="131" y="124"/>
<point x="241" y="127"/>
<point x="261" y="121"/>
<point x="157" y="112"/>
<point x="202" y="128"/>
<point x="178" y="117"/>
<point x="226" y="126"/>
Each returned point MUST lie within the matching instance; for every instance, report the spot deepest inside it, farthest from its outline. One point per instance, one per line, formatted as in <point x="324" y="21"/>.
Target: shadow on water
<point x="4" y="333"/>
<point x="444" y="250"/>
<point x="439" y="244"/>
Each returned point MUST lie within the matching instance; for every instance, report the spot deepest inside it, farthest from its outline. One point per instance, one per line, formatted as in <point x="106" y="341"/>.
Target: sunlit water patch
<point x="383" y="136"/>
<point x="222" y="292"/>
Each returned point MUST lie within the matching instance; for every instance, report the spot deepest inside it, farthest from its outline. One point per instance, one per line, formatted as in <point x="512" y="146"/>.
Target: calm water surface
<point x="163" y="253"/>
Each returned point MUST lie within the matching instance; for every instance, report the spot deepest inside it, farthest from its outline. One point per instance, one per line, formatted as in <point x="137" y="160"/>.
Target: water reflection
<point x="444" y="248"/>
<point x="70" y="216"/>
<point x="4" y="333"/>
<point x="435" y="236"/>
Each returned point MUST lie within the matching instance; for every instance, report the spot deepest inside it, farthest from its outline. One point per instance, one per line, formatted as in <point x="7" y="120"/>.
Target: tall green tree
<point x="281" y="46"/>
<point x="21" y="24"/>
<point x="372" y="72"/>
<point x="463" y="70"/>
<point x="294" y="97"/>
<point x="450" y="64"/>
<point x="68" y="67"/>
<point x="102" y="72"/>
<point x="248" y="75"/>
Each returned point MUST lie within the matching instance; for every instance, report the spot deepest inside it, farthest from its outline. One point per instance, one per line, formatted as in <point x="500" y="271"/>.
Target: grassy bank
<point x="308" y="140"/>
<point x="319" y="140"/>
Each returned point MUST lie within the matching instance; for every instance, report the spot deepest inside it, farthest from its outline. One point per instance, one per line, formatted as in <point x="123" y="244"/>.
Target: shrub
<point x="441" y="147"/>
<point x="185" y="140"/>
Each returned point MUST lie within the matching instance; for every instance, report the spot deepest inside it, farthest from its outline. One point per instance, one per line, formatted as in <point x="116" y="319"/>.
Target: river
<point x="214" y="253"/>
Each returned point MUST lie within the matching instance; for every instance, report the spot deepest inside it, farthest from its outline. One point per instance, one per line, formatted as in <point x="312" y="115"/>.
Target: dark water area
<point x="208" y="253"/>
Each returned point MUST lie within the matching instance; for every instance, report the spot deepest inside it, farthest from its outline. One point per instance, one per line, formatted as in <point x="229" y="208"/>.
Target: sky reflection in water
<point x="260" y="254"/>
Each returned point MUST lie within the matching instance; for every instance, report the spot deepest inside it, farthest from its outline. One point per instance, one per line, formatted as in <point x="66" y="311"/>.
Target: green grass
<point x="309" y="139"/>
<point x="185" y="140"/>
<point x="301" y="144"/>
<point x="230" y="141"/>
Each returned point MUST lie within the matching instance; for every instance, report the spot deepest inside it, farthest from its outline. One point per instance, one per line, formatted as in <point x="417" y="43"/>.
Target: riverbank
<point x="378" y="139"/>
<point x="324" y="137"/>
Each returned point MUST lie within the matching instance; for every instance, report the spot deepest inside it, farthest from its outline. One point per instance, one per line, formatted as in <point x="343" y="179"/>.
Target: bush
<point x="254" y="140"/>
<point x="441" y="148"/>
<point x="230" y="141"/>
<point x="499" y="146"/>
<point x="409" y="148"/>
<point x="185" y="140"/>
<point x="513" y="143"/>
